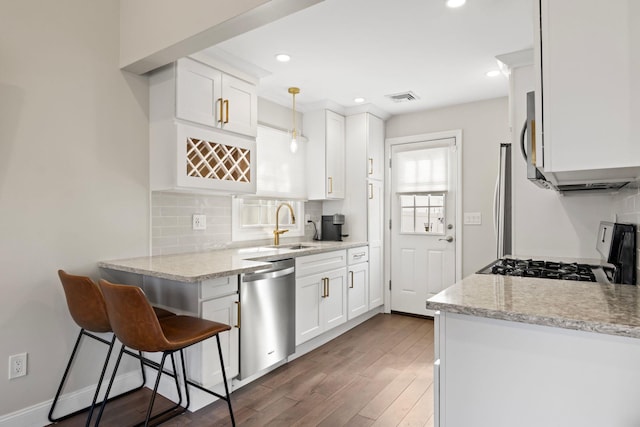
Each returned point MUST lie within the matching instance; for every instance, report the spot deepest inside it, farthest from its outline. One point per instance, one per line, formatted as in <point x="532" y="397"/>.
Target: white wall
<point x="484" y="126"/>
<point x="73" y="178"/>
<point x="545" y="223"/>
<point x="156" y="32"/>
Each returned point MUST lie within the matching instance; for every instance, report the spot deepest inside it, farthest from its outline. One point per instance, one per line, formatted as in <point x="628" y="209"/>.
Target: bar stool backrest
<point x="85" y="302"/>
<point x="132" y="318"/>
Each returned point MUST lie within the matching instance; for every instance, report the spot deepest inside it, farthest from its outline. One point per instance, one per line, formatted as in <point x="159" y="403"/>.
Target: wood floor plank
<point x="421" y="412"/>
<point x="377" y="406"/>
<point x="378" y="373"/>
<point x="401" y="406"/>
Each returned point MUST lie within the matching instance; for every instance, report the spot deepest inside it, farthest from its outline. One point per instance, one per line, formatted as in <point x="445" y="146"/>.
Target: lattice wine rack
<point x="212" y="160"/>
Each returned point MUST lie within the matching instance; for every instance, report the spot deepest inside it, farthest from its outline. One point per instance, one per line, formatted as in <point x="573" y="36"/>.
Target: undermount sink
<point x="296" y="246"/>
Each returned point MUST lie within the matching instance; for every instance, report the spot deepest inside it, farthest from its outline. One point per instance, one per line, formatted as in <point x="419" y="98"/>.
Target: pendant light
<point x="294" y="134"/>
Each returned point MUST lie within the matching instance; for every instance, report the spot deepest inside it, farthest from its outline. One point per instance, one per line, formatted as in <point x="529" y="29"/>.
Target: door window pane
<point x="422" y="213"/>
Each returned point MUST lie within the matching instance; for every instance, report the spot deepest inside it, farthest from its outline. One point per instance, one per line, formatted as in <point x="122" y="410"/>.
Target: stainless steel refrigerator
<point x="502" y="204"/>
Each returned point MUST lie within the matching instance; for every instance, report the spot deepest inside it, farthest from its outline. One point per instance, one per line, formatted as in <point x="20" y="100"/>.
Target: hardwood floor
<point x="378" y="374"/>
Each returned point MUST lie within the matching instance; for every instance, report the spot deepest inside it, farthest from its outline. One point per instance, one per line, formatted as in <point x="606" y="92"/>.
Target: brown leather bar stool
<point x="137" y="327"/>
<point x="87" y="308"/>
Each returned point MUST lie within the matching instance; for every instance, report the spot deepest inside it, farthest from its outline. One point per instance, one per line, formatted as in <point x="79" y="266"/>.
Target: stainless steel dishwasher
<point x="267" y="317"/>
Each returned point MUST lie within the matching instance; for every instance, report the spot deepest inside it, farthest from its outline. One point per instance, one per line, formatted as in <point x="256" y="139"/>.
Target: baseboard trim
<point x="37" y="414"/>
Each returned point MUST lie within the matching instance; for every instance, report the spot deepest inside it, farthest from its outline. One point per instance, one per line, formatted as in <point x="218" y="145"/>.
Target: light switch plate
<point x="473" y="218"/>
<point x="199" y="222"/>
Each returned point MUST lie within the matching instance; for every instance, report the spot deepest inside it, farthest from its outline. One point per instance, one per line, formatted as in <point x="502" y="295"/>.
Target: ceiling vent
<point x="403" y="97"/>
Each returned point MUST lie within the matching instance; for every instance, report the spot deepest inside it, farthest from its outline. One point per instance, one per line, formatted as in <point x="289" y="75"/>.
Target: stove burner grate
<point x="543" y="269"/>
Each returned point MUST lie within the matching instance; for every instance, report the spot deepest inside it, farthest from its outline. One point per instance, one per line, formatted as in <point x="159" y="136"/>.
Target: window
<point x="422" y="213"/>
<point x="253" y="219"/>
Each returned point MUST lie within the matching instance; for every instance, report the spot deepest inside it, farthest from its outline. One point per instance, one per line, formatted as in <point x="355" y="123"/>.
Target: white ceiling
<point x="342" y="49"/>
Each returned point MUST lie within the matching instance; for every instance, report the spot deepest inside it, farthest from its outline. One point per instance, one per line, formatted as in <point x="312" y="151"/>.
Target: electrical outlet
<point x="199" y="222"/>
<point x="17" y="365"/>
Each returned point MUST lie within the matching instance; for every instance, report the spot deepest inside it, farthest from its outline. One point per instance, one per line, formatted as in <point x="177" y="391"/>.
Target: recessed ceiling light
<point x="358" y="100"/>
<point x="283" y="57"/>
<point x="455" y="3"/>
<point x="493" y="73"/>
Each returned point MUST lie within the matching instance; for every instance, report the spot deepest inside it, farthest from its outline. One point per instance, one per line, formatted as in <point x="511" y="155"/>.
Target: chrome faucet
<point x="277" y="232"/>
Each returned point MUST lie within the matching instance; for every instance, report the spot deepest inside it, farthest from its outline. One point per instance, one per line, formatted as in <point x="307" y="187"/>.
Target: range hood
<point x="592" y="180"/>
<point x="570" y="181"/>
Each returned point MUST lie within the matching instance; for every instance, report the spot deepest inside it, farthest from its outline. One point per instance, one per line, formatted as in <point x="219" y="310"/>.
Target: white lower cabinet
<point x="213" y="299"/>
<point x="358" y="285"/>
<point x="357" y="290"/>
<point x="203" y="360"/>
<point x="321" y="297"/>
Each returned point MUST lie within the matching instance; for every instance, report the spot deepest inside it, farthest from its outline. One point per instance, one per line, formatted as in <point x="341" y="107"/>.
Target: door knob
<point x="448" y="239"/>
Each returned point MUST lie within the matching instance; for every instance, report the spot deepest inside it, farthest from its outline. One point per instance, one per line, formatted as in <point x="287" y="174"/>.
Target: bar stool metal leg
<point x="224" y="380"/>
<point x="84" y="332"/>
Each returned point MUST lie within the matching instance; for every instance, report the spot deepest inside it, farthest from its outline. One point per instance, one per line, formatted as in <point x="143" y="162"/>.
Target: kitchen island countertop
<point x="198" y="266"/>
<point x="585" y="306"/>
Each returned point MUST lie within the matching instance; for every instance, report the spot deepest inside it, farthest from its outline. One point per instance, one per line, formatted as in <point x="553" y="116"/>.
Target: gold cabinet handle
<point x="370" y="191"/>
<point x="370" y="165"/>
<point x="226" y="111"/>
<point x="351" y="273"/>
<point x="330" y="184"/>
<point x="221" y="116"/>
<point x="328" y="287"/>
<point x="239" y="317"/>
<point x="324" y="287"/>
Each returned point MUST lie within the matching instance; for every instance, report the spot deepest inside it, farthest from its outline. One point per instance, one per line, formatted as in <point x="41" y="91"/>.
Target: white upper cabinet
<point x="212" y="98"/>
<point x="375" y="147"/>
<point x="202" y="127"/>
<point x="325" y="154"/>
<point x="281" y="173"/>
<point x="588" y="90"/>
<point x="185" y="157"/>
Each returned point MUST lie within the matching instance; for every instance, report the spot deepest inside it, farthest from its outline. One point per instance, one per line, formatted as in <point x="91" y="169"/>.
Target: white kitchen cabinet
<point x="185" y="157"/>
<point x="321" y="294"/>
<point x="588" y="90"/>
<point x="209" y="97"/>
<point x="375" y="234"/>
<point x="213" y="299"/>
<point x="374" y="136"/>
<point x="281" y="174"/>
<point x="204" y="365"/>
<point x="540" y="375"/>
<point x="325" y="154"/>
<point x="358" y="282"/>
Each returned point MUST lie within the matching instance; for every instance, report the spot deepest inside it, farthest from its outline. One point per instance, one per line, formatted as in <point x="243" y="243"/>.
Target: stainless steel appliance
<point x="616" y="243"/>
<point x="267" y="317"/>
<point x="502" y="213"/>
<point x="332" y="227"/>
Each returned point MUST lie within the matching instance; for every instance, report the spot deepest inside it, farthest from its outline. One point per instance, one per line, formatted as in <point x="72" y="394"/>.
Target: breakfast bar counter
<point x="199" y="266"/>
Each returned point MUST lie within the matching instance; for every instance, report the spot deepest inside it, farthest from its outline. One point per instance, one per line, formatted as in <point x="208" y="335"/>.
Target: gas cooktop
<point x="542" y="269"/>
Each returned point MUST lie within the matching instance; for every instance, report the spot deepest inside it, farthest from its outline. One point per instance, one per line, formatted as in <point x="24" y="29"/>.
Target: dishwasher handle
<point x="262" y="275"/>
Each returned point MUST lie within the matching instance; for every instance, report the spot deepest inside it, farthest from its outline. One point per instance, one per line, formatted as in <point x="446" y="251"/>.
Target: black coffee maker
<point x="332" y="227"/>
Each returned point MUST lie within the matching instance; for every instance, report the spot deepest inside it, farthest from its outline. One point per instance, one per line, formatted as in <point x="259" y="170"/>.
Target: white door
<point x="423" y="234"/>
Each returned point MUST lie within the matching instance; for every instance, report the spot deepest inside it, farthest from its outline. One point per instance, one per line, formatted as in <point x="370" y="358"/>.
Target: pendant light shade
<point x="294" y="133"/>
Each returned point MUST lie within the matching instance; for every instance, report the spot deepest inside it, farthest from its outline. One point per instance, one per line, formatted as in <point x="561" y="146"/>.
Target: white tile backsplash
<point x="171" y="222"/>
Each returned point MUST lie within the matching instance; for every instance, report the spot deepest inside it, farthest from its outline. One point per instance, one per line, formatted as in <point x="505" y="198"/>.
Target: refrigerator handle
<point x="495" y="207"/>
<point x="522" y="143"/>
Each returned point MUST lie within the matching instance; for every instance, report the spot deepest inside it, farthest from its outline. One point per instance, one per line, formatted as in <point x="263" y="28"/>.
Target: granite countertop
<point x="197" y="266"/>
<point x="585" y="306"/>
